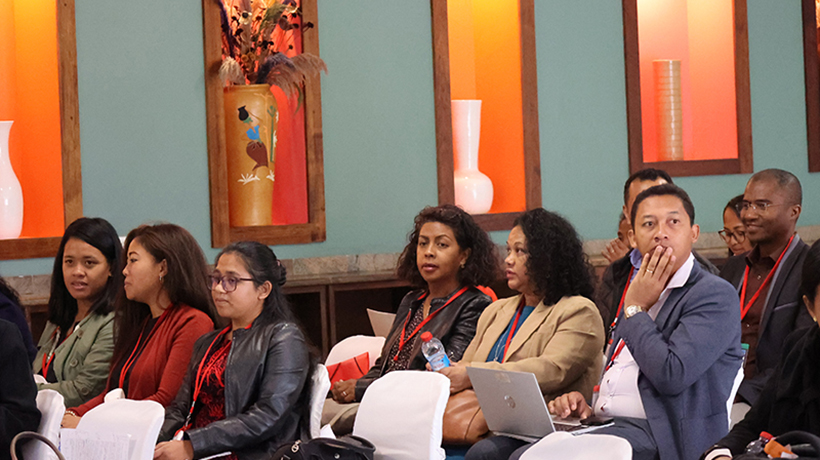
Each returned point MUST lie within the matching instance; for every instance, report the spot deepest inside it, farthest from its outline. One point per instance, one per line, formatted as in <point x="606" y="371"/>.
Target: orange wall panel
<point x="36" y="149"/>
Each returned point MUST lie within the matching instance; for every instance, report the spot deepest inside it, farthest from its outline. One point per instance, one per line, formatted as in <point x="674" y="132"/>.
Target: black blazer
<point x="265" y="393"/>
<point x="454" y="326"/>
<point x="18" y="393"/>
<point x="791" y="398"/>
<point x="783" y="313"/>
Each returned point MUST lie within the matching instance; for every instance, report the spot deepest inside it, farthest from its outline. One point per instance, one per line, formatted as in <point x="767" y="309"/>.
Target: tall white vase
<point x="473" y="190"/>
<point x="11" y="195"/>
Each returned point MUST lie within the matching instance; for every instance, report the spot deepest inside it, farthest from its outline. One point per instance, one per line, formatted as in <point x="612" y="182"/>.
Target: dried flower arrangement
<point x="258" y="44"/>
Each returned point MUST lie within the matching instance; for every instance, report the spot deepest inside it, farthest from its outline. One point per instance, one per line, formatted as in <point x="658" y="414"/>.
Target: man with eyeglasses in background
<point x="768" y="277"/>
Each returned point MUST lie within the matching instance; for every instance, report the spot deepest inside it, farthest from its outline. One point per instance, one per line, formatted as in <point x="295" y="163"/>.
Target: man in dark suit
<point x="676" y="344"/>
<point x="767" y="278"/>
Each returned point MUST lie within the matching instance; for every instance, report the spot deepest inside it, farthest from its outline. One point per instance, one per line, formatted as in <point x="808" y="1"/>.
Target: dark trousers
<point x="635" y="431"/>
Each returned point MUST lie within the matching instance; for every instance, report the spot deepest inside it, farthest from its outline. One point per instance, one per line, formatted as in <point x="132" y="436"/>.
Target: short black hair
<point x="557" y="264"/>
<point x="646" y="175"/>
<point x="663" y="190"/>
<point x="734" y="205"/>
<point x="810" y="278"/>
<point x="786" y="180"/>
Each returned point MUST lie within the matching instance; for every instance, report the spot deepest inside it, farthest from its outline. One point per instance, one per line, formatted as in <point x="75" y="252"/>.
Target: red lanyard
<point x="49" y="357"/>
<point x="402" y="340"/>
<point x="140" y="346"/>
<point x="513" y="329"/>
<point x="745" y="307"/>
<point x="620" y="347"/>
<point x="621" y="304"/>
<point x="202" y="376"/>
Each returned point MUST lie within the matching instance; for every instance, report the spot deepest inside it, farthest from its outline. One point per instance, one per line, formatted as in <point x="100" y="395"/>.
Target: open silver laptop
<point x="513" y="405"/>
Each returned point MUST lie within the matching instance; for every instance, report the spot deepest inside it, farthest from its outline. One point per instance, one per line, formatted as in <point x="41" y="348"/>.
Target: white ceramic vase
<point x="11" y="195"/>
<point x="473" y="190"/>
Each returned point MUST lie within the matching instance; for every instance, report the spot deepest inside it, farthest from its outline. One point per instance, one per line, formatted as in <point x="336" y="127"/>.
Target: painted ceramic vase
<point x="473" y="189"/>
<point x="11" y="195"/>
<point x="251" y="118"/>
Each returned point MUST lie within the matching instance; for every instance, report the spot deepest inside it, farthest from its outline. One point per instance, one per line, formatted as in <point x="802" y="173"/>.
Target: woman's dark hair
<point x="262" y="264"/>
<point x="9" y="292"/>
<point x="734" y="205"/>
<point x="62" y="307"/>
<point x="810" y="278"/>
<point x="186" y="280"/>
<point x="556" y="264"/>
<point x="482" y="266"/>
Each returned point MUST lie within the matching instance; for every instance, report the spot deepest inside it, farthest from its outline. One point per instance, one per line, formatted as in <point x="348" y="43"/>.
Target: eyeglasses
<point x="760" y="206"/>
<point x="739" y="236"/>
<point x="228" y="282"/>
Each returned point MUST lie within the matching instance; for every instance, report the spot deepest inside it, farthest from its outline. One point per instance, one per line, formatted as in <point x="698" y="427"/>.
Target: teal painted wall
<point x="143" y="133"/>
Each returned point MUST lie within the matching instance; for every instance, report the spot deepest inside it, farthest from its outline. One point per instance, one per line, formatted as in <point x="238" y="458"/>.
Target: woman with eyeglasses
<point x="165" y="309"/>
<point x="734" y="232"/>
<point x="246" y="390"/>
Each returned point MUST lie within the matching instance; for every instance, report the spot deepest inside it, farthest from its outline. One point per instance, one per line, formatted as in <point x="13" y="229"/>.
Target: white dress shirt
<point x="618" y="394"/>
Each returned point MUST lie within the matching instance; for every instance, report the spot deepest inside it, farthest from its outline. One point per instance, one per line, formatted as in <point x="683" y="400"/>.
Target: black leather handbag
<point x="346" y="448"/>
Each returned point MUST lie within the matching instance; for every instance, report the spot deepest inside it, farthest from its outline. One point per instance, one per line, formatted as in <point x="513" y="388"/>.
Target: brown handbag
<point x="464" y="423"/>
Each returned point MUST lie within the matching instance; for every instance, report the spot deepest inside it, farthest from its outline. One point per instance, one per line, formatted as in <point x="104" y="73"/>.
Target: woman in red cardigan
<point x="166" y="308"/>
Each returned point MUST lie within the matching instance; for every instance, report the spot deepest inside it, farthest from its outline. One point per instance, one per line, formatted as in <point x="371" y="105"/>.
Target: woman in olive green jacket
<point x="74" y="352"/>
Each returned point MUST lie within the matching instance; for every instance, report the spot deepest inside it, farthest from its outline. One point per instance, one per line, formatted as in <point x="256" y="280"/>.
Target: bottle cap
<point x="744" y="346"/>
<point x="427" y="336"/>
<point x="765" y="435"/>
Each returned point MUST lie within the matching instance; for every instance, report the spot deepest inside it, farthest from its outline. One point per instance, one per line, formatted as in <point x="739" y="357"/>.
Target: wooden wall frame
<point x="744" y="162"/>
<point x="444" y="127"/>
<point x="812" y="70"/>
<point x="27" y="248"/>
<point x="221" y="231"/>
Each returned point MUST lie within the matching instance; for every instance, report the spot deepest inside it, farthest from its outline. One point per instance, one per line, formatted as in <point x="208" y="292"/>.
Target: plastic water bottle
<point x="758" y="446"/>
<point x="434" y="352"/>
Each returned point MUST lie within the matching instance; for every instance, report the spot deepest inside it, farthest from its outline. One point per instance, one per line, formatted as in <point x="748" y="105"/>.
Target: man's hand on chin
<point x="656" y="269"/>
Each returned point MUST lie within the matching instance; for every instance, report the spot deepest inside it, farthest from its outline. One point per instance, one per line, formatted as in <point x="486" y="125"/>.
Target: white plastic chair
<point x="52" y="408"/>
<point x="730" y="402"/>
<point x="564" y="446"/>
<point x="354" y="346"/>
<point x="320" y="385"/>
<point x="141" y="420"/>
<point x="402" y="413"/>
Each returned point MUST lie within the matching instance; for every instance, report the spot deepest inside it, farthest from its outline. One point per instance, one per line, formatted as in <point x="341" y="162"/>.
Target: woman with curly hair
<point x="550" y="329"/>
<point x="446" y="257"/>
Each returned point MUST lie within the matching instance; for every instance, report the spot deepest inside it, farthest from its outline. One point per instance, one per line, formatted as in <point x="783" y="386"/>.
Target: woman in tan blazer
<point x="551" y="328"/>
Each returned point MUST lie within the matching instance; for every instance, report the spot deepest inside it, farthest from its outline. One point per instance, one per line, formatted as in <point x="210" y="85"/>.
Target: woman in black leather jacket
<point x="246" y="389"/>
<point x="447" y="256"/>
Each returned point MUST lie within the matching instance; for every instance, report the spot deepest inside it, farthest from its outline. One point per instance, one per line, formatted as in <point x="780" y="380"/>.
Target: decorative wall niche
<point x="486" y="51"/>
<point x="687" y="86"/>
<point x="38" y="91"/>
<point x="294" y="165"/>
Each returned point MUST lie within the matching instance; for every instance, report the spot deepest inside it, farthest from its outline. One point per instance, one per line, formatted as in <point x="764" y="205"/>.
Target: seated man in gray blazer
<point x="676" y="345"/>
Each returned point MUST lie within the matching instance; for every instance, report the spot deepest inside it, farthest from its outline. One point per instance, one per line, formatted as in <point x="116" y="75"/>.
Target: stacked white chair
<point x="320" y="385"/>
<point x="561" y="445"/>
<point x="141" y="420"/>
<point x="52" y="408"/>
<point x="401" y="413"/>
<point x="354" y="346"/>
